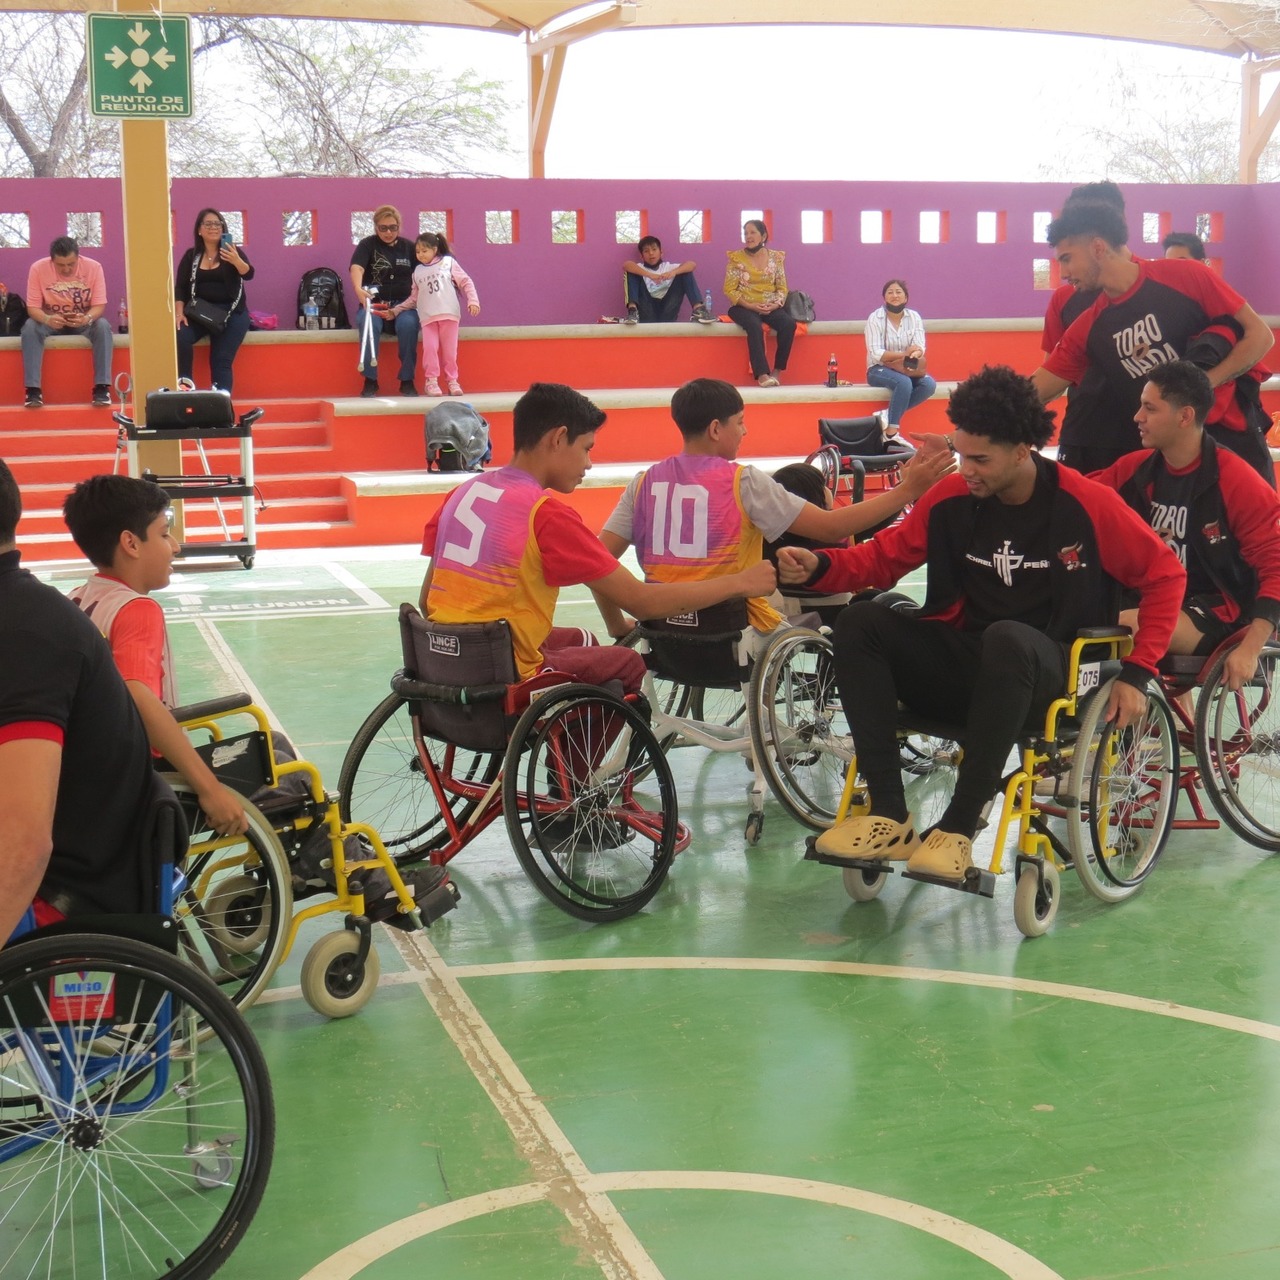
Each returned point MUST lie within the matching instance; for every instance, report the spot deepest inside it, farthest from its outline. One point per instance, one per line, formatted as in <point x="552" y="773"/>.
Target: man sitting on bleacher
<point x="76" y="782"/>
<point x="1022" y="554"/>
<point x="1219" y="516"/>
<point x="502" y="546"/>
<point x="699" y="513"/>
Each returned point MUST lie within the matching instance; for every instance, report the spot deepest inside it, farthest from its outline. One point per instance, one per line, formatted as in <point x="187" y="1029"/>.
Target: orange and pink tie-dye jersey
<point x="502" y="547"/>
<point x="689" y="524"/>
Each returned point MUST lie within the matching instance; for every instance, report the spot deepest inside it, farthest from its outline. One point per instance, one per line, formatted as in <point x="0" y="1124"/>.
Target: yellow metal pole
<point x="148" y="257"/>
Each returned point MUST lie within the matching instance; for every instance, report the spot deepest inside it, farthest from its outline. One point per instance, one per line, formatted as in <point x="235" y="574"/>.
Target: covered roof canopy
<point x="1250" y="31"/>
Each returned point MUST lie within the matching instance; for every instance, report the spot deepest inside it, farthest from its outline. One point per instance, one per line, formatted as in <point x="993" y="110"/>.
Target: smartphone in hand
<point x="227" y="242"/>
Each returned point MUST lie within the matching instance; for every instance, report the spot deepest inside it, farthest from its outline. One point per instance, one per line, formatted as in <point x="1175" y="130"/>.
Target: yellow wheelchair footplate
<point x="977" y="880"/>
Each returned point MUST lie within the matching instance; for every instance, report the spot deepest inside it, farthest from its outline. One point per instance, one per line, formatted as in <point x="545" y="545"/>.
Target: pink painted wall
<point x="535" y="281"/>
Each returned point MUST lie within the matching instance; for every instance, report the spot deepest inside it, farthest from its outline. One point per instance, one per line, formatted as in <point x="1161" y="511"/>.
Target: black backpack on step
<point x="13" y="315"/>
<point x="324" y="285"/>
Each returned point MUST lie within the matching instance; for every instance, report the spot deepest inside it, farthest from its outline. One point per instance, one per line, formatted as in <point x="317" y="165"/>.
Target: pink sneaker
<point x="455" y="388"/>
<point x="432" y="387"/>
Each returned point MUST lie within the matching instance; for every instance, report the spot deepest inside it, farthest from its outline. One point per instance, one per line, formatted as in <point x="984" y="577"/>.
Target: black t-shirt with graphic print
<point x="389" y="266"/>
<point x="1172" y="499"/>
<point x="1006" y="573"/>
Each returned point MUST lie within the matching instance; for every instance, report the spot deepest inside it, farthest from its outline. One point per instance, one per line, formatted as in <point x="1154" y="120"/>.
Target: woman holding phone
<point x="208" y="293"/>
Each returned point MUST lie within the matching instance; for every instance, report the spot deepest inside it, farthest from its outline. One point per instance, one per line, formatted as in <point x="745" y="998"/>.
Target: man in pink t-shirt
<point x="66" y="294"/>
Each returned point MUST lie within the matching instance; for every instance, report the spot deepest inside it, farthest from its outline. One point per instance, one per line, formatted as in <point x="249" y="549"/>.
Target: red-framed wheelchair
<point x="575" y="771"/>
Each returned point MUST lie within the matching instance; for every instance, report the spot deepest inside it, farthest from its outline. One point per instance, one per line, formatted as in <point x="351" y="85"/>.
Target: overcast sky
<point x="874" y="103"/>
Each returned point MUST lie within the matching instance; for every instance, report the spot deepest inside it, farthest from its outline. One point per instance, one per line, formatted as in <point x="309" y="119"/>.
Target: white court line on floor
<point x="232" y="666"/>
<point x="599" y="1229"/>
<point x="353" y="584"/>
<point x="1015" y="1263"/>
<point x="958" y="977"/>
<point x="745" y="964"/>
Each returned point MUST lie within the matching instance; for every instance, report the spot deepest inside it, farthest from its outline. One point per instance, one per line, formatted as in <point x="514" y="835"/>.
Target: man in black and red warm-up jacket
<point x="1022" y="554"/>
<point x="1218" y="516"/>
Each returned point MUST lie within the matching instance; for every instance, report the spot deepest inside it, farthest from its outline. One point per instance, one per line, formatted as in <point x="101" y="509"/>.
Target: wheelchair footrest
<point x="975" y="880"/>
<point x="811" y="854"/>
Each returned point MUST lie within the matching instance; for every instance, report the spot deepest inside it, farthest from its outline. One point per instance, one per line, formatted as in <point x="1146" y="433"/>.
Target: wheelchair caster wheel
<point x="215" y="1173"/>
<point x="1034" y="907"/>
<point x="334" y="982"/>
<point x="863" y="884"/>
<point x="755" y="825"/>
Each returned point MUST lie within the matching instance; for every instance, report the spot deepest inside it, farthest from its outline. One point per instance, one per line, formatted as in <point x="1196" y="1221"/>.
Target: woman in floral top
<point x="755" y="283"/>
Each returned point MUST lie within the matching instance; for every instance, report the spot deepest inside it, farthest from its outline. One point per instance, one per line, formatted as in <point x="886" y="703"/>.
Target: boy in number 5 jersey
<point x="700" y="514"/>
<point x="502" y="546"/>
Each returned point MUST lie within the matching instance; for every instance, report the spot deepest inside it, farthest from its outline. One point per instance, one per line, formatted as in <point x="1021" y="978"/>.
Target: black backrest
<point x="699" y="648"/>
<point x="460" y="656"/>
<point x="864" y="438"/>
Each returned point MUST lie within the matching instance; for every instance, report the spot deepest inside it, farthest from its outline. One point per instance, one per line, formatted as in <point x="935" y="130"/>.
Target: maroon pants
<point x="578" y="654"/>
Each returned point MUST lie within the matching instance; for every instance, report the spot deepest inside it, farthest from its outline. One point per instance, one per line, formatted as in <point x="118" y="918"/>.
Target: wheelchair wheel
<point x="237" y="907"/>
<point x="383" y="782"/>
<point x="128" y="1146"/>
<point x="1238" y="749"/>
<point x="1034" y="906"/>
<point x="333" y="983"/>
<point x="798" y="730"/>
<point x="929" y="766"/>
<point x="1126" y="781"/>
<point x="862" y="885"/>
<point x="589" y="803"/>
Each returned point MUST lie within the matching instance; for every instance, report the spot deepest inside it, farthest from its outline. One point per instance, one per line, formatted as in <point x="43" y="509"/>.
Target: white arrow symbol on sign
<point x="138" y="33"/>
<point x="163" y="58"/>
<point x="140" y="81"/>
<point x="117" y="57"/>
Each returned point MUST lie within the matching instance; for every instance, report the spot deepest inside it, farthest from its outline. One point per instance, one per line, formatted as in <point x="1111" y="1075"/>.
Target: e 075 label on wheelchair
<point x="1087" y="677"/>
<point x="82" y="994"/>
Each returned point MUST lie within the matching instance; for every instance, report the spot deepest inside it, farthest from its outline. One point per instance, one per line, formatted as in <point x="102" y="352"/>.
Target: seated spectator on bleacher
<point x="386" y="260"/>
<point x="66" y="295"/>
<point x="213" y="270"/>
<point x="896" y="356"/>
<point x="502" y="546"/>
<point x="76" y="782"/>
<point x="1183" y="244"/>
<point x="699" y="514"/>
<point x="655" y="288"/>
<point x="1219" y="516"/>
<point x="755" y="282"/>
<point x="122" y="525"/>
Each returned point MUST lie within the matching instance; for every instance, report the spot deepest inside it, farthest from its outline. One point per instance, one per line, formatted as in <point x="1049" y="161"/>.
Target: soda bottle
<point x="833" y="371"/>
<point x="122" y="317"/>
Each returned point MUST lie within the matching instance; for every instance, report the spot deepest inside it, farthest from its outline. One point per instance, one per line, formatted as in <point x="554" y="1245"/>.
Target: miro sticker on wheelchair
<point x="1087" y="678"/>
<point x="82" y="994"/>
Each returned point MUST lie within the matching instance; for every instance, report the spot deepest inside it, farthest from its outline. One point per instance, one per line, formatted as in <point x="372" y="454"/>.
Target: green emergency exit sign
<point x="139" y="65"/>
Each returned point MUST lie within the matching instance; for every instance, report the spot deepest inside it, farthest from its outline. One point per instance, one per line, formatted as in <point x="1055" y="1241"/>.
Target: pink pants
<point x="440" y="347"/>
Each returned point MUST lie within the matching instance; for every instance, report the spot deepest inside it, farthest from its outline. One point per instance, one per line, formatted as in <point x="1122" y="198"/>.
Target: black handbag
<point x="799" y="306"/>
<point x="209" y="315"/>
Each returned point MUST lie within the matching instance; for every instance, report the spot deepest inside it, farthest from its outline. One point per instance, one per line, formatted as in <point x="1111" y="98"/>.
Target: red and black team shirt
<point x="1109" y="351"/>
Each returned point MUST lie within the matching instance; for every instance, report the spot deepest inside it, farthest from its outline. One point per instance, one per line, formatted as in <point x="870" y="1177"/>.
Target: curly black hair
<point x="1001" y="405"/>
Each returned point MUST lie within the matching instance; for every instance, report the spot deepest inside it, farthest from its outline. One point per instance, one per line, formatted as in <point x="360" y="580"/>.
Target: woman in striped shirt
<point x="895" y="354"/>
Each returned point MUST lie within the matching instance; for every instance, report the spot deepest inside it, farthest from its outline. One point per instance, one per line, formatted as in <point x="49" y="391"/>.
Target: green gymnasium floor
<point x="755" y="1078"/>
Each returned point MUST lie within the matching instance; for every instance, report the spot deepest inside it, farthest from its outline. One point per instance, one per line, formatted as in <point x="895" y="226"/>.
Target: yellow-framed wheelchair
<point x="237" y="912"/>
<point x="1109" y="821"/>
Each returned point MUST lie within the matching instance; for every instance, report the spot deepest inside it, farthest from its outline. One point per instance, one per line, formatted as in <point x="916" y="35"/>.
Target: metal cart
<point x="201" y="417"/>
